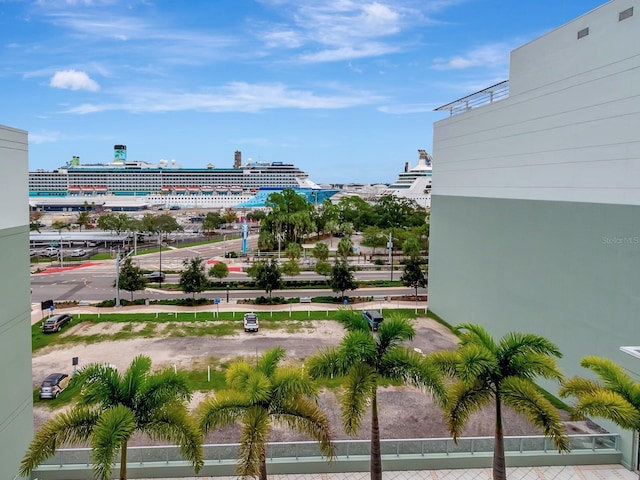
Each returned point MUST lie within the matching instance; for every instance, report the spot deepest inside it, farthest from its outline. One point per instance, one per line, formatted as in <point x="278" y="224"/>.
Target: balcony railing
<point x="348" y="449"/>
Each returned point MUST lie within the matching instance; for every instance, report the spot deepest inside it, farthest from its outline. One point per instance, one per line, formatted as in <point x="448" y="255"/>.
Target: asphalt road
<point x="96" y="282"/>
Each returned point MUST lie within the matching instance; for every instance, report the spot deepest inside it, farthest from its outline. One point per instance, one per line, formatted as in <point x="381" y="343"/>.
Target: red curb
<point x="64" y="269"/>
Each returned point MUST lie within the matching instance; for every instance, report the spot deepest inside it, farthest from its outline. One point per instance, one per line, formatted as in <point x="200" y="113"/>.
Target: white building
<point x="16" y="414"/>
<point x="535" y="222"/>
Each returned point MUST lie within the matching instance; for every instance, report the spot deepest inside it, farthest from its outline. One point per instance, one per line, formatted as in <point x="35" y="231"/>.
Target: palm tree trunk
<point x="263" y="464"/>
<point x="376" y="458"/>
<point x="123" y="461"/>
<point x="499" y="468"/>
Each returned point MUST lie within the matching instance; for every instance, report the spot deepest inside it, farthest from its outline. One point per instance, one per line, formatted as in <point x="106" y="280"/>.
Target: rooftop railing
<point x="488" y="95"/>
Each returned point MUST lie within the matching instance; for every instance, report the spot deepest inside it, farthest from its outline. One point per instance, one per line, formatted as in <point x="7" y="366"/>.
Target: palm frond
<point x="516" y="343"/>
<point x="577" y="386"/>
<point x="404" y="365"/>
<point x="327" y="363"/>
<point x="74" y="426"/>
<point x="446" y="361"/>
<point x="614" y="378"/>
<point x="530" y="365"/>
<point x="174" y="425"/>
<point x="352" y="320"/>
<point x="112" y="431"/>
<point x="357" y="346"/>
<point x="224" y="409"/>
<point x="395" y="329"/>
<point x="524" y="397"/>
<point x="292" y="383"/>
<point x="237" y="374"/>
<point x="100" y="385"/>
<point x="610" y="405"/>
<point x="258" y="388"/>
<point x="470" y="333"/>
<point x="475" y="362"/>
<point x="305" y="416"/>
<point x="464" y="400"/>
<point x="253" y="440"/>
<point x="268" y="362"/>
<point x="355" y="396"/>
<point x="134" y="377"/>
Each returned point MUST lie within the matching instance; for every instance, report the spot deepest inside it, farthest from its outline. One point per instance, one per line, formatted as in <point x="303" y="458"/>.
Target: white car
<point x="51" y="252"/>
<point x="79" y="253"/>
<point x="250" y="322"/>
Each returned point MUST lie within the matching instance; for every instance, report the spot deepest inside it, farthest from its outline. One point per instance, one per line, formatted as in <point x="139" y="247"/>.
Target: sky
<point x="343" y="89"/>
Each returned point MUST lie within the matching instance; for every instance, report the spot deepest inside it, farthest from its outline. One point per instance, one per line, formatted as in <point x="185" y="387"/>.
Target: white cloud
<point x="43" y="137"/>
<point x="73" y="80"/>
<point x="490" y="55"/>
<point x="232" y="97"/>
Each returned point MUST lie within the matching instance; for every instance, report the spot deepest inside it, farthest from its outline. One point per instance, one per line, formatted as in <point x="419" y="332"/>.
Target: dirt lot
<point x="404" y="412"/>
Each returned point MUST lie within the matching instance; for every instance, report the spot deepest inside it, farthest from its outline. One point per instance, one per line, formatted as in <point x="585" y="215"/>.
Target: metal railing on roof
<point x="499" y="91"/>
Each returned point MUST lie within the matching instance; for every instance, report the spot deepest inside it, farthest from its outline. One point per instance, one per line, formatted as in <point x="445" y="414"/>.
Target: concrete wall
<point x="536" y="197"/>
<point x="16" y="414"/>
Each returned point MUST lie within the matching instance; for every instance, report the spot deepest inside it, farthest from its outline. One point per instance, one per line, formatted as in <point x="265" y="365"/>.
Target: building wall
<point x="16" y="414"/>
<point x="536" y="197"/>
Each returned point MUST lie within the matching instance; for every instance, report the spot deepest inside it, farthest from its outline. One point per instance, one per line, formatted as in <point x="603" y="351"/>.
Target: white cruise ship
<point x="167" y="183"/>
<point x="414" y="183"/>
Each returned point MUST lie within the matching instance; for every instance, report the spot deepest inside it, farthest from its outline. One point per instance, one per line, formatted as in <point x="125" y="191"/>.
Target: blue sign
<point x="216" y="301"/>
<point x="346" y="302"/>
<point x="51" y="308"/>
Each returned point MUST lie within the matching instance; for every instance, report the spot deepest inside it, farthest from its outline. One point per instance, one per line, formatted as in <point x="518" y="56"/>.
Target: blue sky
<point x="344" y="89"/>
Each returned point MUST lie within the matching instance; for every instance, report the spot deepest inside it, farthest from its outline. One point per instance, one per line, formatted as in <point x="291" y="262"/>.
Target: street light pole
<point x="160" y="244"/>
<point x="390" y="247"/>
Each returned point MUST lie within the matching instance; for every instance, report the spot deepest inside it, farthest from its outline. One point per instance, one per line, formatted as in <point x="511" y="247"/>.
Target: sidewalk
<point x="580" y="472"/>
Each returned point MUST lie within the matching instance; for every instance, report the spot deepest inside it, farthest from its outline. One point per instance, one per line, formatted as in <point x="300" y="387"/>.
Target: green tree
<point x="413" y="276"/>
<point x="131" y="278"/>
<point x="321" y="251"/>
<point x="373" y="237"/>
<point x="323" y="268"/>
<point x="114" y="406"/>
<point x="614" y="396"/>
<point x="342" y="278"/>
<point x="114" y="222"/>
<point x="83" y="219"/>
<point x="266" y="241"/>
<point x="267" y="275"/>
<point x="211" y="222"/>
<point x="193" y="279"/>
<point x="411" y="247"/>
<point x="293" y="251"/>
<point x="59" y="226"/>
<point x="260" y="396"/>
<point x="219" y="270"/>
<point x="229" y="216"/>
<point x="367" y="359"/>
<point x="502" y="373"/>
<point x="345" y="248"/>
<point x="291" y="268"/>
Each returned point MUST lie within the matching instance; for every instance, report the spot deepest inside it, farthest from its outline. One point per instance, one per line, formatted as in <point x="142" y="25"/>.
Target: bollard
<point x="208" y="373"/>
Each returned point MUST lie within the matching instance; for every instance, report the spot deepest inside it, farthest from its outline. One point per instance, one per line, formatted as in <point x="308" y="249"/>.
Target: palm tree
<point x="111" y="408"/>
<point x="260" y="396"/>
<point x="502" y="372"/>
<point x="365" y="358"/>
<point x="616" y="396"/>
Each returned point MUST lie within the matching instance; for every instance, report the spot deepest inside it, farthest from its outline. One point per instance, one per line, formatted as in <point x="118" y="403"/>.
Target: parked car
<point x="374" y="318"/>
<point x="155" y="277"/>
<point x="250" y="322"/>
<point x="79" y="253"/>
<point x="53" y="384"/>
<point x="56" y="322"/>
<point x="33" y="252"/>
<point x="51" y="252"/>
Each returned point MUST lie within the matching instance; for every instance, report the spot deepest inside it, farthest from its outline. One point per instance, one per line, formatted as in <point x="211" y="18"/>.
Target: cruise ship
<point x="168" y="184"/>
<point x="414" y="182"/>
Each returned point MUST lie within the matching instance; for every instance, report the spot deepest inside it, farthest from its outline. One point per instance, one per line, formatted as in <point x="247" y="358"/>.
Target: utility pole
<point x="390" y="247"/>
